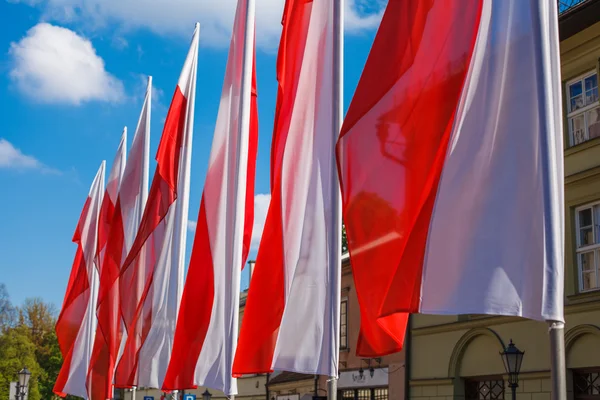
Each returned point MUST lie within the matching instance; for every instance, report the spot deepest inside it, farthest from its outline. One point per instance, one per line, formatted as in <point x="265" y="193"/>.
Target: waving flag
<point x="123" y="226"/>
<point x="207" y="327"/>
<point x="450" y="160"/>
<point x="98" y="387"/>
<point x="151" y="279"/>
<point x="290" y="319"/>
<point x="76" y="323"/>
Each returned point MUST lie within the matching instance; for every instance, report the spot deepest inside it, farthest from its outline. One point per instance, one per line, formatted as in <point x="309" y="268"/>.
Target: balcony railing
<point x="566" y="5"/>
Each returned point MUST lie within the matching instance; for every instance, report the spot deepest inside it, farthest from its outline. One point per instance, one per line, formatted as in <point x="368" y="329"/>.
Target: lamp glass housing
<point x="512" y="358"/>
<point x="24" y="376"/>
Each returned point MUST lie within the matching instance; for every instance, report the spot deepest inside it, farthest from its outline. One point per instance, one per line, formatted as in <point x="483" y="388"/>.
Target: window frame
<point x="595" y="248"/>
<point x="345" y="301"/>
<point x="583" y="110"/>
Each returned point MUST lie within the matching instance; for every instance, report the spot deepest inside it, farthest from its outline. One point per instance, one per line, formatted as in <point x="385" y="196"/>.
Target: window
<point x="586" y="385"/>
<point x="484" y="389"/>
<point x="364" y="394"/>
<point x="344" y="324"/>
<point x="583" y="108"/>
<point x="588" y="246"/>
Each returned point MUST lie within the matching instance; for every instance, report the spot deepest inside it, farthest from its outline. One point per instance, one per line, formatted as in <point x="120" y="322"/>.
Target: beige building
<point x="457" y="357"/>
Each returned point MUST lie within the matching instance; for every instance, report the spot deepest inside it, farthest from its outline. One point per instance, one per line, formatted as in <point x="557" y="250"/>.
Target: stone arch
<point x="576" y="332"/>
<point x="461" y="346"/>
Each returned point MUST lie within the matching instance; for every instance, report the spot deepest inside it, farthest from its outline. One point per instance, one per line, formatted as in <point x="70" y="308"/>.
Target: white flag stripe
<point x="493" y="182"/>
<point x="308" y="212"/>
<point x="82" y="348"/>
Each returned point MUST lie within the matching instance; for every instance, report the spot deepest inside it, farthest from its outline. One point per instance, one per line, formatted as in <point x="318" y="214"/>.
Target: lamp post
<point x="24" y="376"/>
<point x="512" y="358"/>
<point x="206" y="395"/>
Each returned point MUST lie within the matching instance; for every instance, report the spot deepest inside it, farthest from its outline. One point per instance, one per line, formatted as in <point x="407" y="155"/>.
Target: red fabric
<point x="251" y="171"/>
<point x="137" y="273"/>
<point x="74" y="306"/>
<point x="108" y="334"/>
<point x="391" y="151"/>
<point x="198" y="294"/>
<point x="266" y="297"/>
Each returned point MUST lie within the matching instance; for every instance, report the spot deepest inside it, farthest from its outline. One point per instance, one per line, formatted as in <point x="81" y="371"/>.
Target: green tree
<point x="39" y="319"/>
<point x="344" y="240"/>
<point x="17" y="351"/>
<point x="8" y="313"/>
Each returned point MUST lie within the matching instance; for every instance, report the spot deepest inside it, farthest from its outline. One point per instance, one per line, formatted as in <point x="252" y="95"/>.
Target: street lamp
<point x="512" y="358"/>
<point x="24" y="376"/>
<point x="206" y="395"/>
<point x="361" y="371"/>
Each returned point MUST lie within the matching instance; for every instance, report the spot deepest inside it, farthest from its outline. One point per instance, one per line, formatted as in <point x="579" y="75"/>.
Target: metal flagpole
<point x="133" y="392"/>
<point x="242" y="139"/>
<point x="336" y="252"/>
<point x="557" y="358"/>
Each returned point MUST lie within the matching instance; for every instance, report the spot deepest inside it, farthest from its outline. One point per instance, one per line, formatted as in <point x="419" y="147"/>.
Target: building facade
<point x="457" y="357"/>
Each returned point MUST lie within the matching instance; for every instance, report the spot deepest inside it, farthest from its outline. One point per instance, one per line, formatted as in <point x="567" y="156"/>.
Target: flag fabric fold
<point x="99" y="386"/>
<point x="77" y="323"/>
<point x="125" y="221"/>
<point x="290" y="320"/>
<point x="207" y="326"/>
<point x="450" y="162"/>
<point x="151" y="278"/>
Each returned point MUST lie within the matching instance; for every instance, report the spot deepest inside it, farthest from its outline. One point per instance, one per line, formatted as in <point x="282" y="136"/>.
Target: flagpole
<point x="242" y="157"/>
<point x="557" y="358"/>
<point x="336" y="251"/>
<point x="133" y="392"/>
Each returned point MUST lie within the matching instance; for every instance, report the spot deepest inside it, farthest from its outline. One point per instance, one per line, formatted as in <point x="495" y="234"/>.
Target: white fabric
<point x="308" y="340"/>
<point x="134" y="189"/>
<point x="496" y="237"/>
<point x="225" y="205"/>
<point x="168" y="274"/>
<point x="83" y="346"/>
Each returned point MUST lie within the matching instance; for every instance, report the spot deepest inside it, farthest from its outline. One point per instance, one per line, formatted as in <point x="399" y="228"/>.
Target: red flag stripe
<point x="399" y="124"/>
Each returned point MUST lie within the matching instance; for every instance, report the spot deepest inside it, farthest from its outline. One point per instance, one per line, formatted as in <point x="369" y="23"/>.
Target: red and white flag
<point x="155" y="263"/>
<point x="450" y="160"/>
<point x="128" y="208"/>
<point x="99" y="386"/>
<point x="207" y="326"/>
<point x="76" y="323"/>
<point x="291" y="315"/>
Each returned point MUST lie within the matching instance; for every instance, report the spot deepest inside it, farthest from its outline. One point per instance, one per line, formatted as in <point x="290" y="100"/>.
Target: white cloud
<point x="261" y="206"/>
<point x="55" y="65"/>
<point x="178" y="16"/>
<point x="13" y="158"/>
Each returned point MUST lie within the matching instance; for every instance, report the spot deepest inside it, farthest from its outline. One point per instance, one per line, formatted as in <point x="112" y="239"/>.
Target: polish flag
<point x="76" y="323"/>
<point x="96" y="383"/>
<point x="450" y="160"/>
<point x="291" y="316"/>
<point x="128" y="208"/>
<point x="151" y="279"/>
<point x="207" y="327"/>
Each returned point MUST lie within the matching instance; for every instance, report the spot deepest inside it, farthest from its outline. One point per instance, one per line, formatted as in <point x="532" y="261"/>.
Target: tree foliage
<point x="344" y="240"/>
<point x="16" y="352"/>
<point x="28" y="339"/>
<point x="8" y="313"/>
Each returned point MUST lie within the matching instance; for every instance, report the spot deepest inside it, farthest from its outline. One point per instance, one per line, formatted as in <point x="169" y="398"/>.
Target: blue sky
<point x="72" y="74"/>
